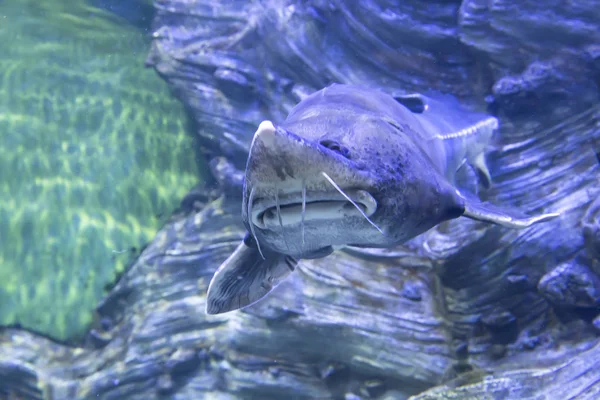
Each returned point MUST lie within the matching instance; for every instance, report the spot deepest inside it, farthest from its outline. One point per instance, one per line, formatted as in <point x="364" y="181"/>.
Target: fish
<point x="353" y="166"/>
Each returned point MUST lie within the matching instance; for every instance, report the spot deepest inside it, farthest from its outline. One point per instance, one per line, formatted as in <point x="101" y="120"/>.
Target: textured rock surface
<point x="456" y="313"/>
<point x="571" y="284"/>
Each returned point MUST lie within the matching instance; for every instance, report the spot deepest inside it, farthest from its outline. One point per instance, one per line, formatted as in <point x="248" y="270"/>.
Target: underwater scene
<point x="283" y="199"/>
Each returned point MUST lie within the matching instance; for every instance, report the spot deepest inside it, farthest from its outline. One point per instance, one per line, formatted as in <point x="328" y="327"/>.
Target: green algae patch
<point x="94" y="155"/>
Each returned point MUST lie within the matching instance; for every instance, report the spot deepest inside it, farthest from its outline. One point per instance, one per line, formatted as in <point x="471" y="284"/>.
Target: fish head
<point x="318" y="183"/>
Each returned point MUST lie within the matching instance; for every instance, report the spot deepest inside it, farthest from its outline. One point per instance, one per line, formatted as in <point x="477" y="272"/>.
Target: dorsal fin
<point x="413" y="101"/>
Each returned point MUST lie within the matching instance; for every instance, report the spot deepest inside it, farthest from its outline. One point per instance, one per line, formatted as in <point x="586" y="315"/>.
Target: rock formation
<point x="468" y="310"/>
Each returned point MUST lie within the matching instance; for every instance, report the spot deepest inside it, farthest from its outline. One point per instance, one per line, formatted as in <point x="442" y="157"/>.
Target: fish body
<point x="352" y="166"/>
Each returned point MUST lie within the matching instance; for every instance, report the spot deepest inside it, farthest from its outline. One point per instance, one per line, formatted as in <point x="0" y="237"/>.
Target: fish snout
<point x="281" y="158"/>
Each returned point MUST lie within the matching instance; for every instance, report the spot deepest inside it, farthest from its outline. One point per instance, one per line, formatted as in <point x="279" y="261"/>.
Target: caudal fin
<point x="246" y="277"/>
<point x="487" y="212"/>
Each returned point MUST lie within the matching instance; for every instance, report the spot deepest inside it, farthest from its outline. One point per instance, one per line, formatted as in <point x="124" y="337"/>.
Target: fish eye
<point x="336" y="147"/>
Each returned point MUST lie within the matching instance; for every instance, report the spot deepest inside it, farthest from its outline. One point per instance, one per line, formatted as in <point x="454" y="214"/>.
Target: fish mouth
<point x="295" y="208"/>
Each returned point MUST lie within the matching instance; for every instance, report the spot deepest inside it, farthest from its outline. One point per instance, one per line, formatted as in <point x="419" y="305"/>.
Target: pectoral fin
<point x="246" y="277"/>
<point x="484" y="211"/>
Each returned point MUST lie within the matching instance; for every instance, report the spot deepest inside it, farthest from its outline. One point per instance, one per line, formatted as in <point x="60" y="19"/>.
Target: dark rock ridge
<point x="467" y="310"/>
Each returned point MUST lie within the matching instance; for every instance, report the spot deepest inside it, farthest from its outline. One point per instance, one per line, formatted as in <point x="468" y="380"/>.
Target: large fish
<point x="352" y="166"/>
